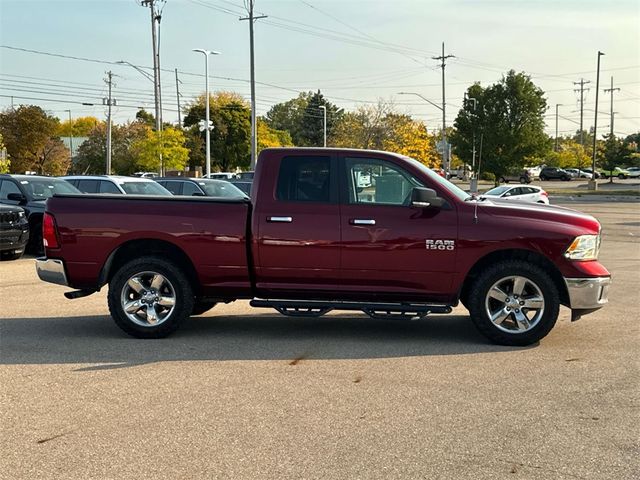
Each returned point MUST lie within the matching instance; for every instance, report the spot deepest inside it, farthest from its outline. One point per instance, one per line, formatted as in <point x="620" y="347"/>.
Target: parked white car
<point x="520" y="193"/>
<point x="634" y="172"/>
<point x="222" y="176"/>
<point x="576" y="173"/>
<point x="534" y="172"/>
<point x="115" y="184"/>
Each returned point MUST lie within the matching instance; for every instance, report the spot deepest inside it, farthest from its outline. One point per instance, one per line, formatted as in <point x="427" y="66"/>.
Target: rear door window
<point x="88" y="186"/>
<point x="108" y="187"/>
<point x="173" y="187"/>
<point x="190" y="189"/>
<point x="305" y="179"/>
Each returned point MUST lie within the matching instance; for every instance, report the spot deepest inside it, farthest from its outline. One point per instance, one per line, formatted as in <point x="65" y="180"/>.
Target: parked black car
<point x="30" y="193"/>
<point x="244" y="185"/>
<point x="14" y="232"/>
<point x="554" y="173"/>
<point x="204" y="187"/>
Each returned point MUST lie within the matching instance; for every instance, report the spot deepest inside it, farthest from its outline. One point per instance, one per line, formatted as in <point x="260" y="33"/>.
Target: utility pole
<point x="582" y="83"/>
<point x="556" y="147"/>
<point x="611" y="90"/>
<point x="70" y="138"/>
<point x="109" y="102"/>
<point x="178" y="98"/>
<point x="324" y="125"/>
<point x="445" y="149"/>
<point x="593" y="183"/>
<point x="155" y="17"/>
<point x="254" y="142"/>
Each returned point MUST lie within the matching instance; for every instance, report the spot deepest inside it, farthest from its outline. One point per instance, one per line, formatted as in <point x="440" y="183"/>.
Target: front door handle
<point x="362" y="221"/>
<point x="280" y="219"/>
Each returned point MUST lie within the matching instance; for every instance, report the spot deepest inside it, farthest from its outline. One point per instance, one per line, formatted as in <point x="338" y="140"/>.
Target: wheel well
<point x="148" y="247"/>
<point x="515" y="254"/>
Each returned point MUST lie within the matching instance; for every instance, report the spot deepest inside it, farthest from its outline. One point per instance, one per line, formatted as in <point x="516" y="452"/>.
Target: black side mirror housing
<point x="425" y="198"/>
<point x="17" y="197"/>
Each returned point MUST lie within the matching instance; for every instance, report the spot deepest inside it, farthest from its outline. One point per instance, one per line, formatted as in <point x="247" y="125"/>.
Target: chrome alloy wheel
<point x="148" y="299"/>
<point x="514" y="304"/>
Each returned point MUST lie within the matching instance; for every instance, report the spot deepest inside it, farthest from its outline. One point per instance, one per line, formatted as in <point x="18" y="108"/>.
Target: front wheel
<point x="524" y="180"/>
<point x="150" y="297"/>
<point x="621" y="176"/>
<point x="502" y="180"/>
<point x="514" y="303"/>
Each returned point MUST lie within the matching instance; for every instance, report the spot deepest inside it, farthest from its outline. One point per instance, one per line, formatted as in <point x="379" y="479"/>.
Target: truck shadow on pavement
<point x="98" y="341"/>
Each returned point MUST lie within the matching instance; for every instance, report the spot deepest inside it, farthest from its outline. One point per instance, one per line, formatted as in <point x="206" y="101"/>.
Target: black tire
<point x="35" y="245"/>
<point x="11" y="255"/>
<point x="543" y="178"/>
<point x="621" y="176"/>
<point x="479" y="302"/>
<point x="524" y="180"/>
<point x="200" y="307"/>
<point x="177" y="285"/>
<point x="502" y="180"/>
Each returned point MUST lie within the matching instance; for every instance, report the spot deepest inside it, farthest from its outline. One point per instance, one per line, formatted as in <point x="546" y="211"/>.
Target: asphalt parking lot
<point x="249" y="394"/>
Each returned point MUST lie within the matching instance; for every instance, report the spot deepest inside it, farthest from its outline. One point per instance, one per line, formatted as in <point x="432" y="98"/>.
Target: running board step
<point x="307" y="308"/>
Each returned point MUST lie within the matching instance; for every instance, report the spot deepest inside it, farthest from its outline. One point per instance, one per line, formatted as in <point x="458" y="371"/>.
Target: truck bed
<point x="212" y="232"/>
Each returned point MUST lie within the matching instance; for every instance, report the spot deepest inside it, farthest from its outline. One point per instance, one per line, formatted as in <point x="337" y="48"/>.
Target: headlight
<point x="584" y="247"/>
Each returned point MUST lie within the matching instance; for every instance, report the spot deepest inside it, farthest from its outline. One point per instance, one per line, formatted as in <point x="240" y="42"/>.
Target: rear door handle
<point x="280" y="219"/>
<point x="362" y="221"/>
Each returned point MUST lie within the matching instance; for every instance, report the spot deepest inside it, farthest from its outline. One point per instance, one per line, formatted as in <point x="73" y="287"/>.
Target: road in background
<point x="248" y="394"/>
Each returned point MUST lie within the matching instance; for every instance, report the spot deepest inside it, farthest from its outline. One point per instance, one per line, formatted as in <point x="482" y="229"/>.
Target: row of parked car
<point x="22" y="199"/>
<point x="567" y="174"/>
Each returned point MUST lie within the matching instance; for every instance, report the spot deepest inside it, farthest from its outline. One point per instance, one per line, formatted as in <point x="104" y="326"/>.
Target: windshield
<point x="450" y="187"/>
<point x="221" y="189"/>
<point x="497" y="191"/>
<point x="144" y="188"/>
<point x="43" y="188"/>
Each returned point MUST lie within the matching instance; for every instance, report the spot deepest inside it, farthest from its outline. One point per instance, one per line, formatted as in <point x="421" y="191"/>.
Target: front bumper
<point x="588" y="293"/>
<point x="51" y="270"/>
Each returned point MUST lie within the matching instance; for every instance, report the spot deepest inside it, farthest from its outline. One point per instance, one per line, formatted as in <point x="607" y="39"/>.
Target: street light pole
<point x="324" y="111"/>
<point x="444" y="138"/>
<point x="207" y="124"/>
<point x="70" y="138"/>
<point x="593" y="183"/>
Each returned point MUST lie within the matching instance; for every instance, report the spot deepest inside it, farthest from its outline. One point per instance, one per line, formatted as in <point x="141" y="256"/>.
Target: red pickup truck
<point x="329" y="229"/>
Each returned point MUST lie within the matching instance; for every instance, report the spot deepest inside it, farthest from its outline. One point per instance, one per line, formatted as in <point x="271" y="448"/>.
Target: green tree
<point x="289" y="116"/>
<point x="269" y="137"/>
<point x="146" y="118"/>
<point x="509" y="116"/>
<point x="26" y="131"/>
<point x="614" y="154"/>
<point x="5" y="162"/>
<point x="230" y="138"/>
<point x="79" y="127"/>
<point x="92" y="154"/>
<point x="170" y="142"/>
<point x="311" y="130"/>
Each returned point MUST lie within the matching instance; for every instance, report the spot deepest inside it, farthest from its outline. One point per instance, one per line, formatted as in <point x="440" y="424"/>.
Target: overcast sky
<point x="355" y="52"/>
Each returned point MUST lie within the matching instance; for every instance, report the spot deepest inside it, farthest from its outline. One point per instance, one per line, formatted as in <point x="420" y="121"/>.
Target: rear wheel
<point x="502" y="180"/>
<point x="543" y="178"/>
<point x="514" y="303"/>
<point x="621" y="176"/>
<point x="150" y="297"/>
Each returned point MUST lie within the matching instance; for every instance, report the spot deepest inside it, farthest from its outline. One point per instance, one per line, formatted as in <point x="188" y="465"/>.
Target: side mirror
<point x="17" y="197"/>
<point x="508" y="194"/>
<point x="425" y="197"/>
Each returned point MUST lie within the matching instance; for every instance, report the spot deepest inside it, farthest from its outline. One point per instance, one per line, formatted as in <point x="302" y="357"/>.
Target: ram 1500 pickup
<point x="329" y="229"/>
